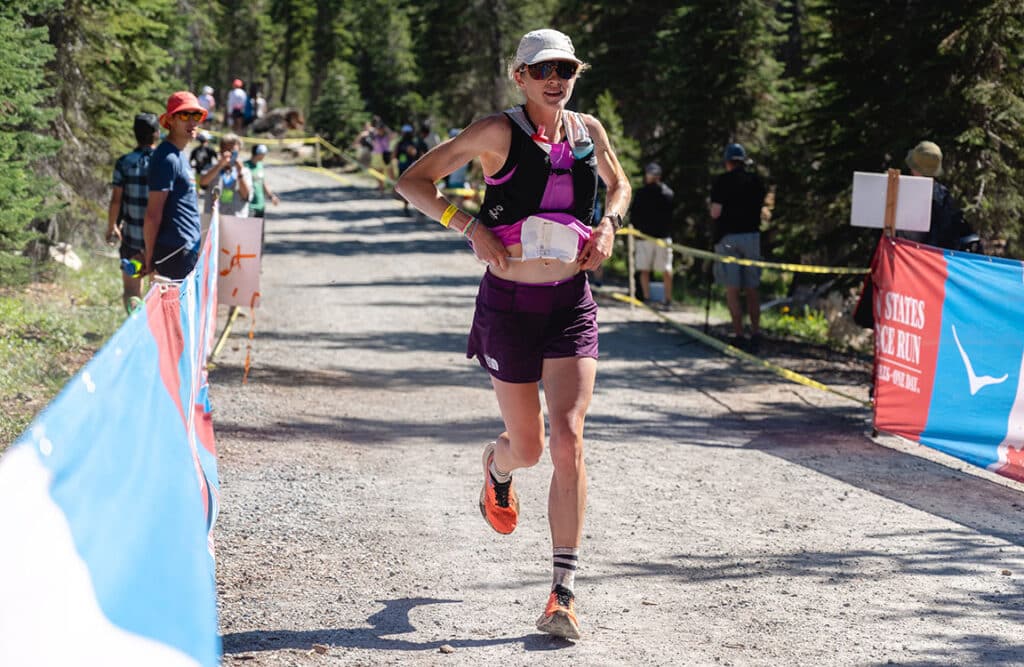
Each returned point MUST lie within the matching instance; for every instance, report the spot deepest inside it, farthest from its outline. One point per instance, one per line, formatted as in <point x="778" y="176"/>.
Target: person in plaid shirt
<point x="128" y="202"/>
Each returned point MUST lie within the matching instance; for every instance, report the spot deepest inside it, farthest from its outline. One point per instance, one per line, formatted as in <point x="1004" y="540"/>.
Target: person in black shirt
<point x="202" y="156"/>
<point x="651" y="214"/>
<point x="737" y="197"/>
<point x="407" y="151"/>
<point x="948" y="227"/>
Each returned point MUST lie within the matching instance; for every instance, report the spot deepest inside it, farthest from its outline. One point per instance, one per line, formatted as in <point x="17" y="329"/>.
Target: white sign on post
<point x="913" y="208"/>
<point x="238" y="261"/>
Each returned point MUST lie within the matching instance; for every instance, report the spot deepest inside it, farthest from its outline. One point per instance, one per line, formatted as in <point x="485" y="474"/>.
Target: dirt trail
<point x="733" y="519"/>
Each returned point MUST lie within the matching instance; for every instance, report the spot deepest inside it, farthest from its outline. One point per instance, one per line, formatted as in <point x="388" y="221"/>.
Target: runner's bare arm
<point x="113" y="212"/>
<point x="599" y="247"/>
<point x="487" y="139"/>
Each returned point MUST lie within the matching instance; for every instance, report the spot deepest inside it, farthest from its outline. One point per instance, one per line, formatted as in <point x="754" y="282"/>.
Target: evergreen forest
<point x="815" y="90"/>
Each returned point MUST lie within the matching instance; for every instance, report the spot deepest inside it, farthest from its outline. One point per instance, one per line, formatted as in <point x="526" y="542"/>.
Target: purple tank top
<point x="558" y="195"/>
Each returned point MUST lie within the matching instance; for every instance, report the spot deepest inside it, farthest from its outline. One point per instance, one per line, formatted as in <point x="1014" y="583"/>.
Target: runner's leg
<point x="520" y="446"/>
<point x="568" y="389"/>
<point x="522" y="443"/>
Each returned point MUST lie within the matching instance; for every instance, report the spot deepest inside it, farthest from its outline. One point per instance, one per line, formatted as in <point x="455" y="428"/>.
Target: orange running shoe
<point x="559" y="618"/>
<point x="498" y="502"/>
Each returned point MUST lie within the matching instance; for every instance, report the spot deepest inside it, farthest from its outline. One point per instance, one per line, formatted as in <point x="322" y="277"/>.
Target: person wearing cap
<point x="172" y="228"/>
<point x="651" y="214"/>
<point x="737" y="197"/>
<point x="202" y="155"/>
<point x="207" y="101"/>
<point x="234" y="110"/>
<point x="260" y="190"/>
<point x="228" y="180"/>
<point x="535" y="317"/>
<point x="128" y="197"/>
<point x="948" y="227"/>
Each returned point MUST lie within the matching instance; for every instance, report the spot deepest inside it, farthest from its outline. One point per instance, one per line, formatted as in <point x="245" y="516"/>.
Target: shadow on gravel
<point x="336" y="377"/>
<point x="392" y="620"/>
<point x="419" y="281"/>
<point x="978" y="504"/>
<point x="365" y="432"/>
<point x="348" y="247"/>
<point x="337" y="192"/>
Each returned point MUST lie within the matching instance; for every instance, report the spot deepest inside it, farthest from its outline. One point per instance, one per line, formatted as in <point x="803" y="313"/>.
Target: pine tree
<point x="339" y="113"/>
<point x="22" y="144"/>
<point x="884" y="76"/>
<point x="989" y="149"/>
<point x="717" y="82"/>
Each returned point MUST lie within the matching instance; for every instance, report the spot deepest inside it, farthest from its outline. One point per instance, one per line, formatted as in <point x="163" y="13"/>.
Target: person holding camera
<point x="228" y="179"/>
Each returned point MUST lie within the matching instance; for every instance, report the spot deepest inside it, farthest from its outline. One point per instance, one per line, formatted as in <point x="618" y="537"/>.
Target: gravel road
<point x="733" y="518"/>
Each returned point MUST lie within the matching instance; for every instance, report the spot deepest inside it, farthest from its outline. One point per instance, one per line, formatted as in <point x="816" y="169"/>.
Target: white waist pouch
<point x="544" y="239"/>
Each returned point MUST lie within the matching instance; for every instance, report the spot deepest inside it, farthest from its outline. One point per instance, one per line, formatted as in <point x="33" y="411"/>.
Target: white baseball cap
<point x="540" y="45"/>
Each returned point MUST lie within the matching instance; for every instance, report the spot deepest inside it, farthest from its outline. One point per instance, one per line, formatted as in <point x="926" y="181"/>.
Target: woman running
<point x="535" y="318"/>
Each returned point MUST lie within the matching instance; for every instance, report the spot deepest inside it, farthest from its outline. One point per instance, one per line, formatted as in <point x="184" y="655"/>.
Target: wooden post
<point x="631" y="266"/>
<point x="233" y="313"/>
<point x="892" y="195"/>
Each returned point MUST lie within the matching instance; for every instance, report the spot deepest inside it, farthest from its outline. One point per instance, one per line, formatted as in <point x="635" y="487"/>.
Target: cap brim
<point x="552" y="54"/>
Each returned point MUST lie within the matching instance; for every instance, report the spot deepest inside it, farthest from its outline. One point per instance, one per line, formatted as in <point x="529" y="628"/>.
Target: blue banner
<point x="108" y="499"/>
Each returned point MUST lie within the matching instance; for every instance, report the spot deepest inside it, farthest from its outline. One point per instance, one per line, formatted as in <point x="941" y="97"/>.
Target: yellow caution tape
<point x="732" y="351"/>
<point x="328" y="173"/>
<point x="461" y="192"/>
<point x="270" y="141"/>
<point x="726" y="259"/>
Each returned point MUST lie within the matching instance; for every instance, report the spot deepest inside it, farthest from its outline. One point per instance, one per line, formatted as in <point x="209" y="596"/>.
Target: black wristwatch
<point x="616" y="220"/>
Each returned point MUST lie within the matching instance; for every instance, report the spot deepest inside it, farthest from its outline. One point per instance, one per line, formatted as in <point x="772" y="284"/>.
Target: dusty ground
<point x="733" y="519"/>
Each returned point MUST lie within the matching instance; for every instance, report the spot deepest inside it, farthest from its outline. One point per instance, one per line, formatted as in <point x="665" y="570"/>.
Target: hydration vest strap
<point x="576" y="132"/>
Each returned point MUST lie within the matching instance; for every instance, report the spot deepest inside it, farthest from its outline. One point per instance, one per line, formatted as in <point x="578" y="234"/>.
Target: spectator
<point x="207" y="101"/>
<point x="202" y="155"/>
<point x="231" y="181"/>
<point x="427" y="137"/>
<point x="234" y="111"/>
<point x="364" y="144"/>
<point x="380" y="160"/>
<point x="172" y="228"/>
<point x="260" y="190"/>
<point x="651" y="214"/>
<point x="127" y="211"/>
<point x="407" y="151"/>
<point x="737" y="197"/>
<point x="948" y="227"/>
<point x="260" y="104"/>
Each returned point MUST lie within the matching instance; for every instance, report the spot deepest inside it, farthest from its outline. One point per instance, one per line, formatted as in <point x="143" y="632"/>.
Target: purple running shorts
<point x="517" y="326"/>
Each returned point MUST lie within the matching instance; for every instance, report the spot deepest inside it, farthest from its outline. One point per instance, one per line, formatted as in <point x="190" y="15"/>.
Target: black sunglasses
<point x="541" y="71"/>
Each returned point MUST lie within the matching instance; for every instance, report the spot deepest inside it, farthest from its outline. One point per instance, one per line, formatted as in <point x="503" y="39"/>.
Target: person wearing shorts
<point x="737" y="197"/>
<point x="128" y="197"/>
<point x="535" y="318"/>
<point x="651" y="214"/>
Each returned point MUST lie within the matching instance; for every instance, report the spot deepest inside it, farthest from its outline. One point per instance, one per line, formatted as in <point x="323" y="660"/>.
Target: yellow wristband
<point x="449" y="213"/>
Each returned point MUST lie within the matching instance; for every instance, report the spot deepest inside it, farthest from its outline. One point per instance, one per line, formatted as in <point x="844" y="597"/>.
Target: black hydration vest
<point x="520" y="196"/>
